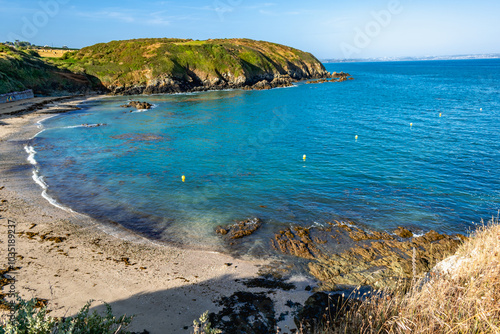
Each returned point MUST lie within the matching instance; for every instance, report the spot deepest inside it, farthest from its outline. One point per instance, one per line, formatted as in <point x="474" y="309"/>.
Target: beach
<point x="69" y="258"/>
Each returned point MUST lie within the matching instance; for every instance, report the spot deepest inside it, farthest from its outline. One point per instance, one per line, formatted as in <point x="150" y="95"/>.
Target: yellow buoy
<point x="183" y="178"/>
<point x="304" y="157"/>
<point x="356" y="137"/>
<point x="439" y="114"/>
<point x="480" y="109"/>
<point x="411" y="124"/>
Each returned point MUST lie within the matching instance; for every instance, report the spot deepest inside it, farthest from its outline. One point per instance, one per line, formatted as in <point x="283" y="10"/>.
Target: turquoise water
<point x="241" y="153"/>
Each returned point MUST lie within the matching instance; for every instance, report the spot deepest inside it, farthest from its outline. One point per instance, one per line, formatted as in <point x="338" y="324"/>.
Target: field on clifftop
<point x="24" y="69"/>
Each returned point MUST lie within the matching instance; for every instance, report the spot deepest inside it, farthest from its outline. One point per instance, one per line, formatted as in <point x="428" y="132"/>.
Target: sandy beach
<point x="69" y="258"/>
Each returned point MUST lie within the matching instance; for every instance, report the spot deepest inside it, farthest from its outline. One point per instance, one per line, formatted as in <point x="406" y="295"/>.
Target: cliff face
<point x="177" y="65"/>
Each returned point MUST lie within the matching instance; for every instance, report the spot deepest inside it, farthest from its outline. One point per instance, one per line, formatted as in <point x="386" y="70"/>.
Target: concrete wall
<point x="15" y="96"/>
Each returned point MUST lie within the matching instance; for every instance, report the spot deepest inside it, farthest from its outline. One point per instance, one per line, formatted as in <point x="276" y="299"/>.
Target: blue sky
<point x="327" y="28"/>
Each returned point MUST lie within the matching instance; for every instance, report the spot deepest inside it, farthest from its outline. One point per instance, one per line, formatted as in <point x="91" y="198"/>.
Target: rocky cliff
<point x="179" y="65"/>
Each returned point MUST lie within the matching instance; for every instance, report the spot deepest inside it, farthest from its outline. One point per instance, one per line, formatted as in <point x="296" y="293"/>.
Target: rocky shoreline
<point x="166" y="84"/>
<point x="343" y="255"/>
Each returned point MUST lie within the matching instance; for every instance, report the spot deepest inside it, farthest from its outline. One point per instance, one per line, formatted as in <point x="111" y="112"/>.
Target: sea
<point x="412" y="144"/>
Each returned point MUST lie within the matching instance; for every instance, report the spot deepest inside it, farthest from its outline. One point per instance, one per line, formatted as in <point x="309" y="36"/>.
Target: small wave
<point x="39" y="180"/>
<point x="37" y="133"/>
<point x="31" y="154"/>
<point x="39" y="123"/>
<point x="54" y="202"/>
<point x="182" y="93"/>
<point x="292" y="86"/>
<point x="83" y="126"/>
<point x="153" y="106"/>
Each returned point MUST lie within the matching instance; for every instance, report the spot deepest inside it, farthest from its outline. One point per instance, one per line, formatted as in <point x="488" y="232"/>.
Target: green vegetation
<point x="23" y="69"/>
<point x="28" y="319"/>
<point x="156" y="65"/>
<point x="140" y="61"/>
<point x="203" y="326"/>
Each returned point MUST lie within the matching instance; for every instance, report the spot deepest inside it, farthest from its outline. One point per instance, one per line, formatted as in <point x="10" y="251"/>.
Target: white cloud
<point x="157" y="19"/>
<point x="111" y="14"/>
<point x="128" y="16"/>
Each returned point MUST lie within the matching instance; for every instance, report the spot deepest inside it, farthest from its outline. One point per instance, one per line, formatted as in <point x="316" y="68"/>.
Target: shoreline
<point x="69" y="258"/>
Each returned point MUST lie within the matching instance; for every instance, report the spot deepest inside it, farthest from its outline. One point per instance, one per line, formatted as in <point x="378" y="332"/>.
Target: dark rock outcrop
<point x="343" y="254"/>
<point x="319" y="309"/>
<point x="245" y="313"/>
<point x="335" y="77"/>
<point x="240" y="229"/>
<point x="137" y="105"/>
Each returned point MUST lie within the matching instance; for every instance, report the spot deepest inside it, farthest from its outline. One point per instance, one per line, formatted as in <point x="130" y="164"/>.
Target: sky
<point x="326" y="28"/>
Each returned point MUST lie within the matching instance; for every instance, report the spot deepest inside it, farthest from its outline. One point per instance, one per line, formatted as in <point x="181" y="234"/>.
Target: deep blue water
<point x="242" y="153"/>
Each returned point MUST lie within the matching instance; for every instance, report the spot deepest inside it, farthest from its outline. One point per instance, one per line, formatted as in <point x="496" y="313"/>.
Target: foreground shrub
<point x="462" y="295"/>
<point x="203" y="326"/>
<point x="28" y="319"/>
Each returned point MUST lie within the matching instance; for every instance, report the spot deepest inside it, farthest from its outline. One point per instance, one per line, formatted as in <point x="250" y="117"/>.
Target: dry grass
<point x="461" y="295"/>
<point x="51" y="53"/>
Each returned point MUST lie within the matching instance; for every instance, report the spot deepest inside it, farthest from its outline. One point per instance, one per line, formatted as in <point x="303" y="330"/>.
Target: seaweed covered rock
<point x="240" y="229"/>
<point x="344" y="254"/>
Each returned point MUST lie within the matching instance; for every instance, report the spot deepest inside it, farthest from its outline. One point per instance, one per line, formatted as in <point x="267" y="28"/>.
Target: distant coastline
<point x="425" y="58"/>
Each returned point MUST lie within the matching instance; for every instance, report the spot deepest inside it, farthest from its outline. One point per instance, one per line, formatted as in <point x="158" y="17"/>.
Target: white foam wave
<point x="38" y="133"/>
<point x="72" y="126"/>
<point x="54" y="202"/>
<point x="82" y="126"/>
<point x="31" y="154"/>
<point x="39" y="180"/>
<point x="292" y="86"/>
<point x="39" y="123"/>
<point x="153" y="106"/>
